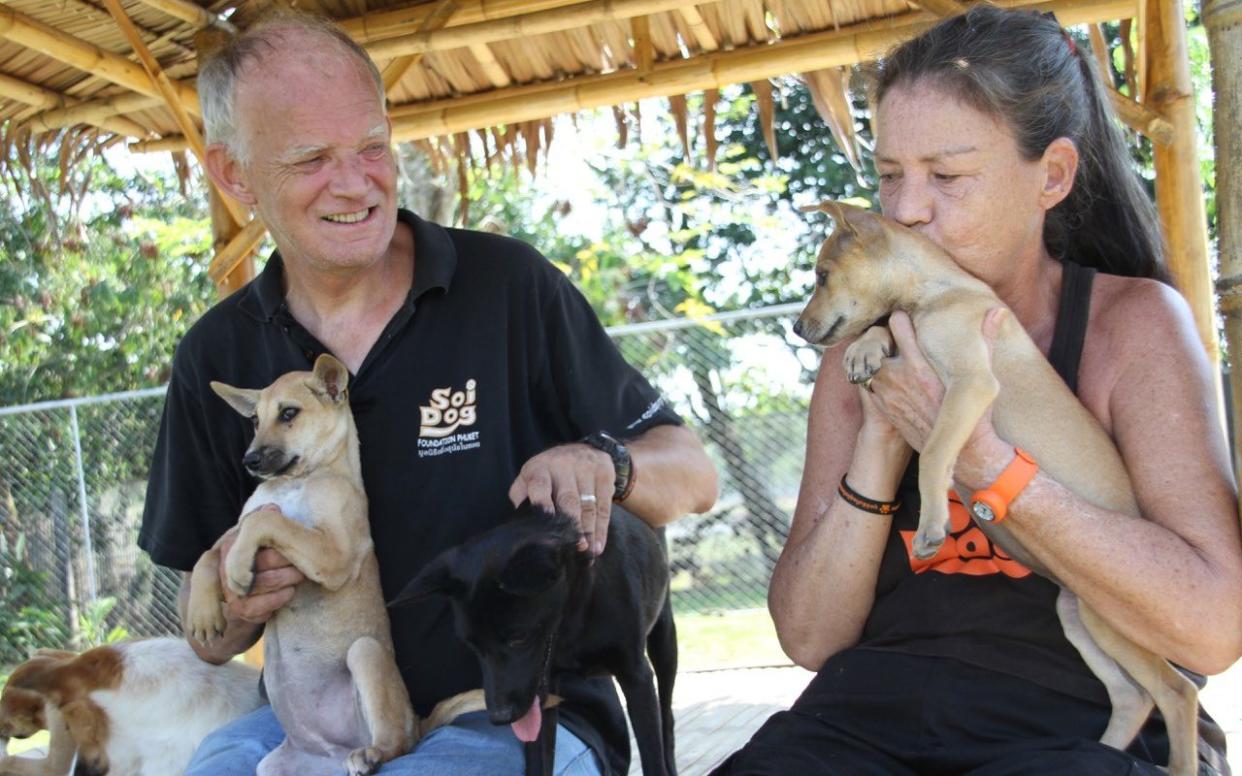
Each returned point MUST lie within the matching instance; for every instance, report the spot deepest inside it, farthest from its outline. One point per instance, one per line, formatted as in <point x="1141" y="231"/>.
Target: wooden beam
<point x="35" y="35"/>
<point x="942" y="8"/>
<point x="235" y="252"/>
<point x="831" y="48"/>
<point x="192" y="13"/>
<point x="172" y="100"/>
<point x="38" y="97"/>
<point x="1223" y="20"/>
<point x="92" y="111"/>
<point x="1179" y="188"/>
<point x="698" y="28"/>
<point x="1141" y="118"/>
<point x="492" y="68"/>
<point x="522" y="26"/>
<point x="402" y="21"/>
<point x="644" y="52"/>
<point x="398" y="67"/>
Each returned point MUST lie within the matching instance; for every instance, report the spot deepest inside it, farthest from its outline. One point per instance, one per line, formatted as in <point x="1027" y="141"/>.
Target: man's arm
<point x="275" y="582"/>
<point x="672" y="477"/>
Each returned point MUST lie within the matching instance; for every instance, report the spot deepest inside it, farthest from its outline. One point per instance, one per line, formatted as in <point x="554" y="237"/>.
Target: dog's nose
<point x="252" y="460"/>
<point x="798" y="327"/>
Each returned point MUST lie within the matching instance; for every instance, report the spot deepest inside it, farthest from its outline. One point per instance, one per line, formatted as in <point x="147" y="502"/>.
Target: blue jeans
<point x="470" y="746"/>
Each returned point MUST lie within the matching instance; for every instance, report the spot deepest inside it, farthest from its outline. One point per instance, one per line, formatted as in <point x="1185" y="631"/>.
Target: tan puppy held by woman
<point x="871" y="266"/>
<point x="138" y="708"/>
<point x="329" y="666"/>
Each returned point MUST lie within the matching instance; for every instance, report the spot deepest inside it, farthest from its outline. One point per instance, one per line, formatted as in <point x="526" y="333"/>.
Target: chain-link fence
<point x="73" y="477"/>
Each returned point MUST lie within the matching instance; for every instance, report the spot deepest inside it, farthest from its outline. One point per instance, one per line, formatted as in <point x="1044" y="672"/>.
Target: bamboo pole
<point x="172" y="100"/>
<point x="38" y="97"/>
<point x="401" y="21"/>
<point x="1141" y="118"/>
<point x="1179" y="189"/>
<point x="192" y="13"/>
<point x="831" y="48"/>
<point x="521" y="26"/>
<point x="92" y="111"/>
<point x="698" y="28"/>
<point x="33" y="34"/>
<point x="401" y="65"/>
<point x="238" y="249"/>
<point x="1223" y="20"/>
<point x="941" y="7"/>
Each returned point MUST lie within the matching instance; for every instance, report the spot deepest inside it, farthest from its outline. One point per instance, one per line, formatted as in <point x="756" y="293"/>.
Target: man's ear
<point x="1060" y="163"/>
<point x="436" y="577"/>
<point x="244" y="400"/>
<point x="228" y="174"/>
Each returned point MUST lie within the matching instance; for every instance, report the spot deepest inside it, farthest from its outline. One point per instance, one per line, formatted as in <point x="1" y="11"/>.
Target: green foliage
<point x="93" y="629"/>
<point x="28" y="623"/>
<point x="95" y="293"/>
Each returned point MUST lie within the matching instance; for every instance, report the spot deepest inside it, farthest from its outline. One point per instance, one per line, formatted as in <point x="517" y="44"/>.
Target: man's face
<point x="319" y="157"/>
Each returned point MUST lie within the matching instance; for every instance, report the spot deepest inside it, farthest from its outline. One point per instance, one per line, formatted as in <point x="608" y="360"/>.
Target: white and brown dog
<point x="871" y="266"/>
<point x="137" y="708"/>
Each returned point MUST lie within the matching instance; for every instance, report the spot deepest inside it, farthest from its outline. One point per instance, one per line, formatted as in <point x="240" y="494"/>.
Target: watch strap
<point x="622" y="463"/>
<point x="1000" y="494"/>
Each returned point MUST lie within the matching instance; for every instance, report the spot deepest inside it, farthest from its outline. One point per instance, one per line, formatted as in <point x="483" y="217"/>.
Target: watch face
<point x="983" y="511"/>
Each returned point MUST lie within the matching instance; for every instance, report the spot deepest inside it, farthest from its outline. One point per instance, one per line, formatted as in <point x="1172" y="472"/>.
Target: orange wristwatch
<point x="992" y="503"/>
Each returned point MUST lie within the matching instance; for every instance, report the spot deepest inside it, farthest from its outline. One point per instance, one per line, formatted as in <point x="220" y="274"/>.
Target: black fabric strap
<point x="1071" y="326"/>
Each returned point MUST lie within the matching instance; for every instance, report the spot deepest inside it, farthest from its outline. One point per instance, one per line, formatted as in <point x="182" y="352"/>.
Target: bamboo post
<point x="1179" y="188"/>
<point x="1223" y="19"/>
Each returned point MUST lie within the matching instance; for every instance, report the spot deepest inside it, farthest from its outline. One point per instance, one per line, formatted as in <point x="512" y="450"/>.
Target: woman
<point x="994" y="139"/>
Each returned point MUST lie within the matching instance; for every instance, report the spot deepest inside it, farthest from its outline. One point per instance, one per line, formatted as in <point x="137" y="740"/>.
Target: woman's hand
<point x="906" y="394"/>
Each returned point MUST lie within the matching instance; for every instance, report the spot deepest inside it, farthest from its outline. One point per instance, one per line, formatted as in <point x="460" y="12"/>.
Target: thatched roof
<point x="98" y="72"/>
<point x="452" y="65"/>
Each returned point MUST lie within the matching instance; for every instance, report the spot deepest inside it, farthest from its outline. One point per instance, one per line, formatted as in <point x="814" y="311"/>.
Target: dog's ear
<point x="244" y="400"/>
<point x="334" y="377"/>
<point x="534" y="567"/>
<point x="436" y="578"/>
<point x="853" y="220"/>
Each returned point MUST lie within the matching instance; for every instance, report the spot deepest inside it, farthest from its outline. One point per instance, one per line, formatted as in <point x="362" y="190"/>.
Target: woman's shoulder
<point x="1139" y="309"/>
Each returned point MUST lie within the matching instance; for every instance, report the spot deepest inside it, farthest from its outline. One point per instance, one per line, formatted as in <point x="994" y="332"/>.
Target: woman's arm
<point x="1172" y="581"/>
<point x="823" y="585"/>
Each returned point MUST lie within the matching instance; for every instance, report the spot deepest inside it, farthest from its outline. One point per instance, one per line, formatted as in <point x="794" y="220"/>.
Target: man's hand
<point x="275" y="582"/>
<point x="575" y="479"/>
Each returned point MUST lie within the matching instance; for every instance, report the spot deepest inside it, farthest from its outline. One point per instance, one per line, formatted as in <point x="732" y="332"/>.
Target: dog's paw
<point x="865" y="354"/>
<point x="205" y="620"/>
<point x="239" y="571"/>
<point x="928" y="543"/>
<point x="365" y="761"/>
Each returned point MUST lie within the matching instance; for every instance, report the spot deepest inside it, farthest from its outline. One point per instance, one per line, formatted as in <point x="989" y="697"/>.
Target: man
<point x="475" y="366"/>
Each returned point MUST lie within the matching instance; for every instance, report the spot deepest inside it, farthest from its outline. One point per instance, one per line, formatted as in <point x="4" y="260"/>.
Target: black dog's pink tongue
<point x="527" y="728"/>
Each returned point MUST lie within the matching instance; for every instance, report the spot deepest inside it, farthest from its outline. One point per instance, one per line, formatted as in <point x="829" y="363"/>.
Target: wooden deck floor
<point x="717" y="711"/>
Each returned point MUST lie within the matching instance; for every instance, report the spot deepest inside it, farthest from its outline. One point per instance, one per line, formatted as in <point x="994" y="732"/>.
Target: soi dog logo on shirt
<point x="966" y="550"/>
<point x="445" y="420"/>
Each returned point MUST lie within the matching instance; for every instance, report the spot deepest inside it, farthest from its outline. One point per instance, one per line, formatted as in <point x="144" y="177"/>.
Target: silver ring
<point x="588" y="498"/>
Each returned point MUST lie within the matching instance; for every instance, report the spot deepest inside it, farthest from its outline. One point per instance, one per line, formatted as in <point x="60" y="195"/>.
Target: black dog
<point x="532" y="606"/>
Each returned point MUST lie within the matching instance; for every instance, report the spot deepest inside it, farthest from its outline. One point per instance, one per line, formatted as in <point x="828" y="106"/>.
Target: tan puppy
<point x="329" y="666"/>
<point x="138" y="708"/>
<point x="871" y="266"/>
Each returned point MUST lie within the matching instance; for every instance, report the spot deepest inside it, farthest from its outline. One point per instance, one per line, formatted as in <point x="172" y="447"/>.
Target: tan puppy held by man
<point x="138" y="708"/>
<point x="329" y="665"/>
<point x="871" y="266"/>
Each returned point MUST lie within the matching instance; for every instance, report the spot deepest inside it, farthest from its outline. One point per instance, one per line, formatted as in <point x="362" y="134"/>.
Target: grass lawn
<point x="727" y="639"/>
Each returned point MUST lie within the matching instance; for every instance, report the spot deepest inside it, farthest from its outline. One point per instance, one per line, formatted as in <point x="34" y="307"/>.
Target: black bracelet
<point x="859" y="501"/>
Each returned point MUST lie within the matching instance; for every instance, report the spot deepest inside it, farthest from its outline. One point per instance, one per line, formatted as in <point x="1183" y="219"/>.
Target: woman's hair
<point x="1021" y="67"/>
<point x="218" y="73"/>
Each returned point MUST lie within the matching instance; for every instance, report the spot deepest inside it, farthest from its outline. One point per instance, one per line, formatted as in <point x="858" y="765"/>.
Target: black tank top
<point x="972" y="602"/>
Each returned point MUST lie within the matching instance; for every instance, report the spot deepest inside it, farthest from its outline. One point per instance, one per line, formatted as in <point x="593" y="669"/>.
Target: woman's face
<point x="955" y="174"/>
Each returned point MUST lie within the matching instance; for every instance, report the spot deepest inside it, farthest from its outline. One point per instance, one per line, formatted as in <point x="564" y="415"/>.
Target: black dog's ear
<point x="533" y="568"/>
<point x="436" y="577"/>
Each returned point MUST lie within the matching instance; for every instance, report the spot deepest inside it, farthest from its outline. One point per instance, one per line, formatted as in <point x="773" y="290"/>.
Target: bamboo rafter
<point x="191" y="13"/>
<point x="399" y="66"/>
<point x="26" y="31"/>
<point x="38" y="97"/>
<point x="941" y="7"/>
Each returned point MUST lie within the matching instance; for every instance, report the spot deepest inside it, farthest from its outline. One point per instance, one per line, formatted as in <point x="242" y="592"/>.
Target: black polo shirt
<point x="494" y="357"/>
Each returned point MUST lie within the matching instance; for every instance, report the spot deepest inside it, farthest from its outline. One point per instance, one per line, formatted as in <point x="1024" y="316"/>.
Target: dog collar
<point x="991" y="504"/>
